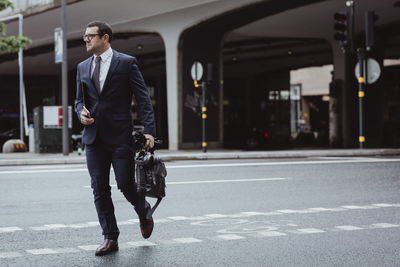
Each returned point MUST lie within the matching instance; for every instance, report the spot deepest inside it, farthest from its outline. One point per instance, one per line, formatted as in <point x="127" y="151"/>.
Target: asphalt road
<point x="281" y="212"/>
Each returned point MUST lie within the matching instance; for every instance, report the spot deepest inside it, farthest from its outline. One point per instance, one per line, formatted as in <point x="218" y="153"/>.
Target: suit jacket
<point x="111" y="109"/>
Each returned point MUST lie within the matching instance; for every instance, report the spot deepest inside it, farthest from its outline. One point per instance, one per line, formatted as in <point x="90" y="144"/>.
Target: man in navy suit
<point x="106" y="83"/>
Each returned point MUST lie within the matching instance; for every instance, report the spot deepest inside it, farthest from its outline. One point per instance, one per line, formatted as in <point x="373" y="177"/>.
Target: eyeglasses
<point x="89" y="37"/>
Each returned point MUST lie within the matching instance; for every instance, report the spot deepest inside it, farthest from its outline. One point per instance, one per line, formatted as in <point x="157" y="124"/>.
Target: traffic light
<point x="370" y="19"/>
<point x="342" y="29"/>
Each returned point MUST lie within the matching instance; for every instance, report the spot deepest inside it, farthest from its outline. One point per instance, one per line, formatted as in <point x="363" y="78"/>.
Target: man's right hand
<point x="85" y="117"/>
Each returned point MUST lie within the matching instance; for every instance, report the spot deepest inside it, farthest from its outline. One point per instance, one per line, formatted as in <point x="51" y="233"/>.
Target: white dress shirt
<point x="104" y="66"/>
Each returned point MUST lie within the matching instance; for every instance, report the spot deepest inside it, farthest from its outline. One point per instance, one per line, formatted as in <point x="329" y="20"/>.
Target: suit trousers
<point x="99" y="158"/>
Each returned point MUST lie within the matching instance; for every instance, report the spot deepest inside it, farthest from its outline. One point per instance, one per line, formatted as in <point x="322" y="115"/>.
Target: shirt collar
<point x="106" y="54"/>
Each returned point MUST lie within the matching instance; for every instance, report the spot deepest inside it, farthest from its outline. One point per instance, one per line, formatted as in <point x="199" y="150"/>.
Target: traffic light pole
<point x="203" y="116"/>
<point x="361" y="95"/>
<point x="64" y="75"/>
<point x="351" y="29"/>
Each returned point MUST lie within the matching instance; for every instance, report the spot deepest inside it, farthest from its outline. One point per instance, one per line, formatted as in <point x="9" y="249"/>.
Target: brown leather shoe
<point x="146" y="227"/>
<point x="107" y="247"/>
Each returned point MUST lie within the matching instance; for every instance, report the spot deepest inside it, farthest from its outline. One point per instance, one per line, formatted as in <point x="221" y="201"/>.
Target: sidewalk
<point x="17" y="159"/>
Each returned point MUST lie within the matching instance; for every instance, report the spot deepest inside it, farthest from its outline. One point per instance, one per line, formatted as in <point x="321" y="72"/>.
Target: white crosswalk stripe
<point x="141" y="244"/>
<point x="12" y="254"/>
<point x="348" y="227"/>
<point x="10" y="229"/>
<point x="186" y="240"/>
<point x="189" y="240"/>
<point x="308" y="231"/>
<point x="270" y="234"/>
<point x="384" y="225"/>
<point x="89" y="247"/>
<point x="42" y="251"/>
<point x="230" y="237"/>
<point x="246" y="214"/>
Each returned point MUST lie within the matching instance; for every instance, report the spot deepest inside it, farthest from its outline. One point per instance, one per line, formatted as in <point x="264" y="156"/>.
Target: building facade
<point x="248" y="49"/>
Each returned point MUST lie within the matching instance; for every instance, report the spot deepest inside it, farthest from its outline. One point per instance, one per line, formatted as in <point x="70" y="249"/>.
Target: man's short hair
<point x="104" y="28"/>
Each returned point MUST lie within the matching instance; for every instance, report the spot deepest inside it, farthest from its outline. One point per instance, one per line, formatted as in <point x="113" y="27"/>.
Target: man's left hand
<point x="149" y="141"/>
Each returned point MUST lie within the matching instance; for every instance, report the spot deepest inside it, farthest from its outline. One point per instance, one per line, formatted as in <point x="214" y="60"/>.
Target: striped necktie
<point x="96" y="74"/>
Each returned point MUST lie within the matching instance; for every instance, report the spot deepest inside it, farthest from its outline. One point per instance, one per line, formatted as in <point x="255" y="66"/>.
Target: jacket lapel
<point x="113" y="66"/>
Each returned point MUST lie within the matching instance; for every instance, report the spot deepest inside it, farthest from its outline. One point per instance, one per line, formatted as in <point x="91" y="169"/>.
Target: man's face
<point x="94" y="43"/>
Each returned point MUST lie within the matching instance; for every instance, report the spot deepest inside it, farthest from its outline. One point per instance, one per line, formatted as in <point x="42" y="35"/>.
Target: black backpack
<point x="150" y="172"/>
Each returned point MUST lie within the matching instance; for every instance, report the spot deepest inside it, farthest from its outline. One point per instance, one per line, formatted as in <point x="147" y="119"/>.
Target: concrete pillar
<point x="171" y="41"/>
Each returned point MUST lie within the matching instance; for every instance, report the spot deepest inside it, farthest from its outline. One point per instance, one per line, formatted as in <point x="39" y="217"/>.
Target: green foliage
<point x="2" y="28"/>
<point x="5" y="4"/>
<point x="11" y="44"/>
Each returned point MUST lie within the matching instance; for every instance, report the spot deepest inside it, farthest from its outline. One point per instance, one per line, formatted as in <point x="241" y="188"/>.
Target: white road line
<point x="42" y="251"/>
<point x="10" y="229"/>
<point x="227" y="181"/>
<point x="206" y="217"/>
<point x="382" y="205"/>
<point x="230" y="237"/>
<point x="12" y="254"/>
<point x="252" y="213"/>
<point x="178" y="218"/>
<point x="352" y="207"/>
<point x="384" y="225"/>
<point x="141" y="244"/>
<point x="216" y="216"/>
<point x="250" y="164"/>
<point x="89" y="247"/>
<point x="348" y="228"/>
<point x="297" y="211"/>
<point x="270" y="234"/>
<point x="187" y="240"/>
<point x="245" y="164"/>
<point x="308" y="231"/>
<point x="216" y="181"/>
<point x="43" y="171"/>
<point x="66" y="250"/>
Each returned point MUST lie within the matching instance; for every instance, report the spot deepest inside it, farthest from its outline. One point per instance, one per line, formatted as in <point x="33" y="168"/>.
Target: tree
<point x="11" y="44"/>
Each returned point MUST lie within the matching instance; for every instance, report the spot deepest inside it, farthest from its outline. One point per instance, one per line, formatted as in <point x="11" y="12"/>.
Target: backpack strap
<point x="149" y="214"/>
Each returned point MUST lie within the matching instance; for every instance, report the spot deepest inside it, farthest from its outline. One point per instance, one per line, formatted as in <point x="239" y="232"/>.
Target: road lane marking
<point x="348" y="228"/>
<point x="217" y="165"/>
<point x="230" y="237"/>
<point x="89" y="247"/>
<point x="251" y="164"/>
<point x="217" y="181"/>
<point x="227" y="181"/>
<point x="187" y="240"/>
<point x="384" y="225"/>
<point x="42" y="251"/>
<point x="141" y="244"/>
<point x="43" y="171"/>
<point x="66" y="250"/>
<point x="12" y="254"/>
<point x="353" y="207"/>
<point x="10" y="229"/>
<point x="270" y="234"/>
<point x="206" y="217"/>
<point x="308" y="231"/>
<point x="216" y="216"/>
<point x="178" y="218"/>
